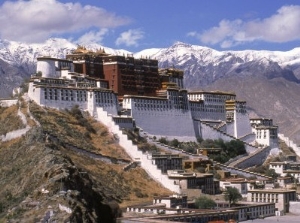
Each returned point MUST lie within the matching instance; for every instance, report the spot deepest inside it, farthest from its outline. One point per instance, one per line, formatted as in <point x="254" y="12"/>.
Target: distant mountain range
<point x="268" y="80"/>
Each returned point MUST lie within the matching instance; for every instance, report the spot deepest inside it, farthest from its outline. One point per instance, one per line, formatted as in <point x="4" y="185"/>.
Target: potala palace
<point x="136" y="93"/>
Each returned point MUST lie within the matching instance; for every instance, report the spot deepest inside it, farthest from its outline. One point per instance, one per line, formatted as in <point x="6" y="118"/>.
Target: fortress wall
<point x="242" y="124"/>
<point x="34" y="93"/>
<point x="209" y="115"/>
<point x="8" y="103"/>
<point x="170" y="123"/>
<point x="223" y="128"/>
<point x="250" y="149"/>
<point x="14" y="134"/>
<point x="136" y="154"/>
<point x="207" y="110"/>
<point x="213" y="123"/>
<point x="111" y="109"/>
<point x="208" y="132"/>
<point x="125" y="123"/>
<point x="257" y="158"/>
<point x="107" y="100"/>
<point x="263" y="141"/>
<point x="248" y="138"/>
<point x="230" y="128"/>
<point x="64" y="104"/>
<point x="197" y="128"/>
<point x="47" y="67"/>
<point x="37" y="94"/>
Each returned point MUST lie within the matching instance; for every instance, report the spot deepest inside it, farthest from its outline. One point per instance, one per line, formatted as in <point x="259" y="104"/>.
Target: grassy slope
<point x="9" y="119"/>
<point x="36" y="161"/>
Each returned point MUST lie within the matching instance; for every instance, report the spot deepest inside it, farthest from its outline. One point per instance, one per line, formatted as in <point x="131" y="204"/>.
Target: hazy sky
<point x="139" y="24"/>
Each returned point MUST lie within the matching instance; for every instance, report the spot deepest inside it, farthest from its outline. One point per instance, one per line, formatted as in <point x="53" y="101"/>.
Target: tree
<point x="271" y="173"/>
<point x="232" y="195"/>
<point x="174" y="143"/>
<point x="163" y="140"/>
<point x="205" y="202"/>
<point x="235" y="148"/>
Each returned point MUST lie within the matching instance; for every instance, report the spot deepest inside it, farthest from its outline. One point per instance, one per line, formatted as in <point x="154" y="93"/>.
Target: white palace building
<point x="172" y="113"/>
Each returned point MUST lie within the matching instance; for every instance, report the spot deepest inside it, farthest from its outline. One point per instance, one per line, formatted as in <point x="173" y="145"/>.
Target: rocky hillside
<point x="67" y="167"/>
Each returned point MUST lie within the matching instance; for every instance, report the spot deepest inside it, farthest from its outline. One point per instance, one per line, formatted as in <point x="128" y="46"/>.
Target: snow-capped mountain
<point x="203" y="66"/>
<point x="267" y="80"/>
<point x="24" y="55"/>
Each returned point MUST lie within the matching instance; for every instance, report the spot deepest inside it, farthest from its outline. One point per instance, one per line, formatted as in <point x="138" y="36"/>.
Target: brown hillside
<point x="52" y="168"/>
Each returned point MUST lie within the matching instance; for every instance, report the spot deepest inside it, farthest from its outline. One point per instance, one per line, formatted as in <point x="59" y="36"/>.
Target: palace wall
<point x="204" y="111"/>
<point x="170" y="123"/>
<point x="230" y="128"/>
<point x="210" y="114"/>
<point x="257" y="157"/>
<point x="86" y="100"/>
<point x="8" y="102"/>
<point x="243" y="126"/>
<point x="209" y="132"/>
<point x="47" y="67"/>
<point x="248" y="138"/>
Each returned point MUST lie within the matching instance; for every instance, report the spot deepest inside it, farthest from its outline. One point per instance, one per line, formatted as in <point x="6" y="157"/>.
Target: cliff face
<point x="68" y="168"/>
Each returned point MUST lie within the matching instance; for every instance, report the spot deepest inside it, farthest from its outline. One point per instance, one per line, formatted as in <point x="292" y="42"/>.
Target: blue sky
<point x="134" y="25"/>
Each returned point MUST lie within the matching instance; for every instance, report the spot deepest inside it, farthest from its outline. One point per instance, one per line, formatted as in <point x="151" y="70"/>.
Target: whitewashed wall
<point x="47" y="67"/>
<point x="170" y="123"/>
<point x="8" y="102"/>
<point x="248" y="138"/>
<point x="243" y="126"/>
<point x="36" y="94"/>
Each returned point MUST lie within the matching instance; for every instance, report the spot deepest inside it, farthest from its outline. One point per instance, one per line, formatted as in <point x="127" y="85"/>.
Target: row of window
<point x="53" y="81"/>
<point x="264" y="210"/>
<point x="264" y="200"/>
<point x="122" y="120"/>
<point x="205" y="109"/>
<point x="104" y="97"/>
<point x="211" y="98"/>
<point x="259" y="195"/>
<point x="86" y="85"/>
<point x="64" y="95"/>
<point x="64" y="64"/>
<point x="76" y="95"/>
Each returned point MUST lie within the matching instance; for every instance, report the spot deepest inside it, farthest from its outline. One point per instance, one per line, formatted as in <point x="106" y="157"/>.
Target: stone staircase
<point x="222" y="124"/>
<point x="135" y="154"/>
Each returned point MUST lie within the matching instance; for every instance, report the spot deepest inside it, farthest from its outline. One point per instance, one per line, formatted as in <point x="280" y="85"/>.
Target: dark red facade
<point x="126" y="75"/>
